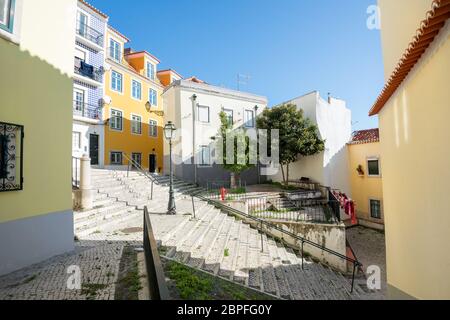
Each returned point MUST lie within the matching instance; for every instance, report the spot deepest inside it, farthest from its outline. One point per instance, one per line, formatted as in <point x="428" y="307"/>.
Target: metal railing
<point x="132" y="164"/>
<point x="335" y="205"/>
<point x="86" y="110"/>
<point x="86" y="70"/>
<point x="261" y="223"/>
<point x="89" y="33"/>
<point x="76" y="163"/>
<point x="155" y="271"/>
<point x="308" y="210"/>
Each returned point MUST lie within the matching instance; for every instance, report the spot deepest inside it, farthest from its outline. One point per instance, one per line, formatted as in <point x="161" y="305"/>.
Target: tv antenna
<point x="242" y="79"/>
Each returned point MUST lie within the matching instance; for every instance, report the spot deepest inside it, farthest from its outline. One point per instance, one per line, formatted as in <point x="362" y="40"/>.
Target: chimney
<point x="329" y="98"/>
<point x="128" y="51"/>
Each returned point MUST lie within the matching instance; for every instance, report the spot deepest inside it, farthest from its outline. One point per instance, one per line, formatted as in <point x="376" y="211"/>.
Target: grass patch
<point x="190" y="284"/>
<point x="226" y="252"/>
<point x="240" y="190"/>
<point x="284" y="187"/>
<point x="91" y="289"/>
<point x="128" y="284"/>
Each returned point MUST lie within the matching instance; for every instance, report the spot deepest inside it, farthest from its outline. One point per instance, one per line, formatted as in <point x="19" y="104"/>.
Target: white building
<point x="194" y="107"/>
<point x="330" y="167"/>
<point x="88" y="83"/>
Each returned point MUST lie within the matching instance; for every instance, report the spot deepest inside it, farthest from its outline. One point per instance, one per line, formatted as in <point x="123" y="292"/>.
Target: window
<point x="78" y="99"/>
<point x="116" y="158"/>
<point x="136" y="89"/>
<point x="153" y="128"/>
<point x="82" y="24"/>
<point x="116" y="81"/>
<point x="80" y="54"/>
<point x="205" y="156"/>
<point x="153" y="97"/>
<point x="203" y="114"/>
<point x="115" y="122"/>
<point x="249" y="118"/>
<point x="76" y="140"/>
<point x="373" y="166"/>
<point x="150" y="70"/>
<point x="137" y="158"/>
<point x="115" y="50"/>
<point x="229" y="114"/>
<point x="136" y="125"/>
<point x="6" y="15"/>
<point x="375" y="209"/>
<point x="11" y="152"/>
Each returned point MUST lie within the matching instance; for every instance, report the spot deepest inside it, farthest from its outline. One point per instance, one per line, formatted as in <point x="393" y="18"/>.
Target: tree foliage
<point x="298" y="135"/>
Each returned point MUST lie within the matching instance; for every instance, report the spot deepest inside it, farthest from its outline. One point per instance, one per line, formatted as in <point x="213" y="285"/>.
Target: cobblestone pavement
<point x="370" y="248"/>
<point x="98" y="261"/>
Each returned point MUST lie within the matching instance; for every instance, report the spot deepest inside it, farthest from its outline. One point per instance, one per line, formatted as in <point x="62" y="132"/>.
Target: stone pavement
<point x="370" y="248"/>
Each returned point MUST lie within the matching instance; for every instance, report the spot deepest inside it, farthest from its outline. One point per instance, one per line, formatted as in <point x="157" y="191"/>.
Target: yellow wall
<point x="414" y="129"/>
<point x="38" y="95"/>
<point x="365" y="187"/>
<point x="125" y="141"/>
<point x="401" y="18"/>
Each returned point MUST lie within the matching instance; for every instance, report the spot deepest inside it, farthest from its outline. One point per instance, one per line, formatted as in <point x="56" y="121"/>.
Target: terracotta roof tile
<point x="90" y="6"/>
<point x="365" y="136"/>
<point x="429" y="29"/>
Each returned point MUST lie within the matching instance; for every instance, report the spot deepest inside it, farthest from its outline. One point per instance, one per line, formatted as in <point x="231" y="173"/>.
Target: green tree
<point x="298" y="135"/>
<point x="241" y="161"/>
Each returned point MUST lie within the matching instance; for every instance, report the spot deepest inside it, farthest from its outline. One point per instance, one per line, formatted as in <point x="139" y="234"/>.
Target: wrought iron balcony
<point x="86" y="110"/>
<point x="89" y="33"/>
<point x="89" y="71"/>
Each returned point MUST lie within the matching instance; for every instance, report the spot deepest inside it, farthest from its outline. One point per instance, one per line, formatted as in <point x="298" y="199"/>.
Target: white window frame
<point x="78" y="144"/>
<point x="150" y="128"/>
<point x="246" y="121"/>
<point x="225" y="110"/>
<point x="79" y="13"/>
<point x="379" y="167"/>
<point x="199" y="107"/>
<point x="116" y="163"/>
<point x="202" y="164"/>
<point x="150" y="97"/>
<point x="8" y="24"/>
<point x="133" y="81"/>
<point x="370" y="209"/>
<point x="140" y="156"/>
<point x="111" y="117"/>
<point x="111" y="39"/>
<point x="82" y="91"/>
<point x="151" y="75"/>
<point x="133" y="123"/>
<point x="111" y="80"/>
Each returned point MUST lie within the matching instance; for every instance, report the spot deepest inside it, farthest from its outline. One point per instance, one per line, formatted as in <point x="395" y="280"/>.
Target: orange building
<point x="133" y="108"/>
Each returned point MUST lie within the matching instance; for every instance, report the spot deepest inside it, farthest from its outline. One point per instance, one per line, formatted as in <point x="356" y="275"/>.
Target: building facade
<point x="194" y="107"/>
<point x="330" y="167"/>
<point x="88" y="84"/>
<point x="36" y="86"/>
<point x="365" y="169"/>
<point x="413" y="111"/>
<point x="133" y="109"/>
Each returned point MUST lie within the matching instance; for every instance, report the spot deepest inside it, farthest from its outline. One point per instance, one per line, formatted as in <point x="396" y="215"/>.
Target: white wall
<point x="86" y="129"/>
<point x="333" y="119"/>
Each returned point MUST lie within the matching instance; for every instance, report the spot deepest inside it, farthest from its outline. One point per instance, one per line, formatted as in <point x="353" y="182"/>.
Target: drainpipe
<point x="194" y="149"/>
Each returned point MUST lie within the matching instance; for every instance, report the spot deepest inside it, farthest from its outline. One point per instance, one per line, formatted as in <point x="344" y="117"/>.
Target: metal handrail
<point x="87" y="110"/>
<point x="75" y="180"/>
<point x="139" y="167"/>
<point x="303" y="241"/>
<point x="96" y="74"/>
<point x="89" y="33"/>
<point x="155" y="271"/>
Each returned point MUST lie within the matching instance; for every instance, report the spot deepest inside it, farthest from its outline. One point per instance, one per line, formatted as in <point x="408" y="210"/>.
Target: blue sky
<point x="288" y="47"/>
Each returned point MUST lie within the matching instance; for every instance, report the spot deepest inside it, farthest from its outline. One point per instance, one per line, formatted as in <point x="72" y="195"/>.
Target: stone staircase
<point x="212" y="241"/>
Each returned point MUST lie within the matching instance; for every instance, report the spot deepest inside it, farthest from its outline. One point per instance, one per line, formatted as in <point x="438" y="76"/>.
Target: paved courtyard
<point x="370" y="248"/>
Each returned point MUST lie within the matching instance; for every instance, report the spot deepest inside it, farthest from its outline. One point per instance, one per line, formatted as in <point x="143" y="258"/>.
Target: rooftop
<point x="365" y="136"/>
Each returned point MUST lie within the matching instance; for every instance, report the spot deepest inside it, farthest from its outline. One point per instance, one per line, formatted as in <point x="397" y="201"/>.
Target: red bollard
<point x="223" y="193"/>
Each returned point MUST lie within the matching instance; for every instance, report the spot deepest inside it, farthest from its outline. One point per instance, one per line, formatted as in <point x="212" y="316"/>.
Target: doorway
<point x="93" y="148"/>
<point x="152" y="163"/>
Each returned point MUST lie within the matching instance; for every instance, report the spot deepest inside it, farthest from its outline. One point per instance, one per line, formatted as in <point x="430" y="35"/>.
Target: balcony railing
<point x="84" y="69"/>
<point x="86" y="110"/>
<point x="89" y="33"/>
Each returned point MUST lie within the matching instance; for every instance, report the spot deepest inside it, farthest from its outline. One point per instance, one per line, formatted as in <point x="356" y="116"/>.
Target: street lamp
<point x="169" y="134"/>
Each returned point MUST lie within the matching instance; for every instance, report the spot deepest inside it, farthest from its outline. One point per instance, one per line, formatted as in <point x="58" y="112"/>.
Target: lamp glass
<point x="169" y="131"/>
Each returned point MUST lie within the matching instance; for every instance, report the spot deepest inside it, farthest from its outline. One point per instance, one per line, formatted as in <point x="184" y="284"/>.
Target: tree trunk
<point x="287" y="175"/>
<point x="233" y="180"/>
<point x="282" y="172"/>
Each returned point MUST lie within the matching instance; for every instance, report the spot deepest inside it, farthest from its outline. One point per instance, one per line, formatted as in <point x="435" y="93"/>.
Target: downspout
<point x="194" y="104"/>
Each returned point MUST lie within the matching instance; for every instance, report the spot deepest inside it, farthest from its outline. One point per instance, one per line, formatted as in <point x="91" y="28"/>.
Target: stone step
<point x="100" y="218"/>
<point x="98" y="210"/>
<point x="227" y="265"/>
<point x="240" y="266"/>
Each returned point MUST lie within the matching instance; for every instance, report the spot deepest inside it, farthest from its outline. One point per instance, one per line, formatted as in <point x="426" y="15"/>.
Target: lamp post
<point x="169" y="134"/>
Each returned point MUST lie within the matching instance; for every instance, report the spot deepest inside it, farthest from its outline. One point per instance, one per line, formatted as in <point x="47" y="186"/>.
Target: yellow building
<point x="134" y="108"/>
<point x="414" y="114"/>
<point x="36" y="87"/>
<point x="365" y="177"/>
